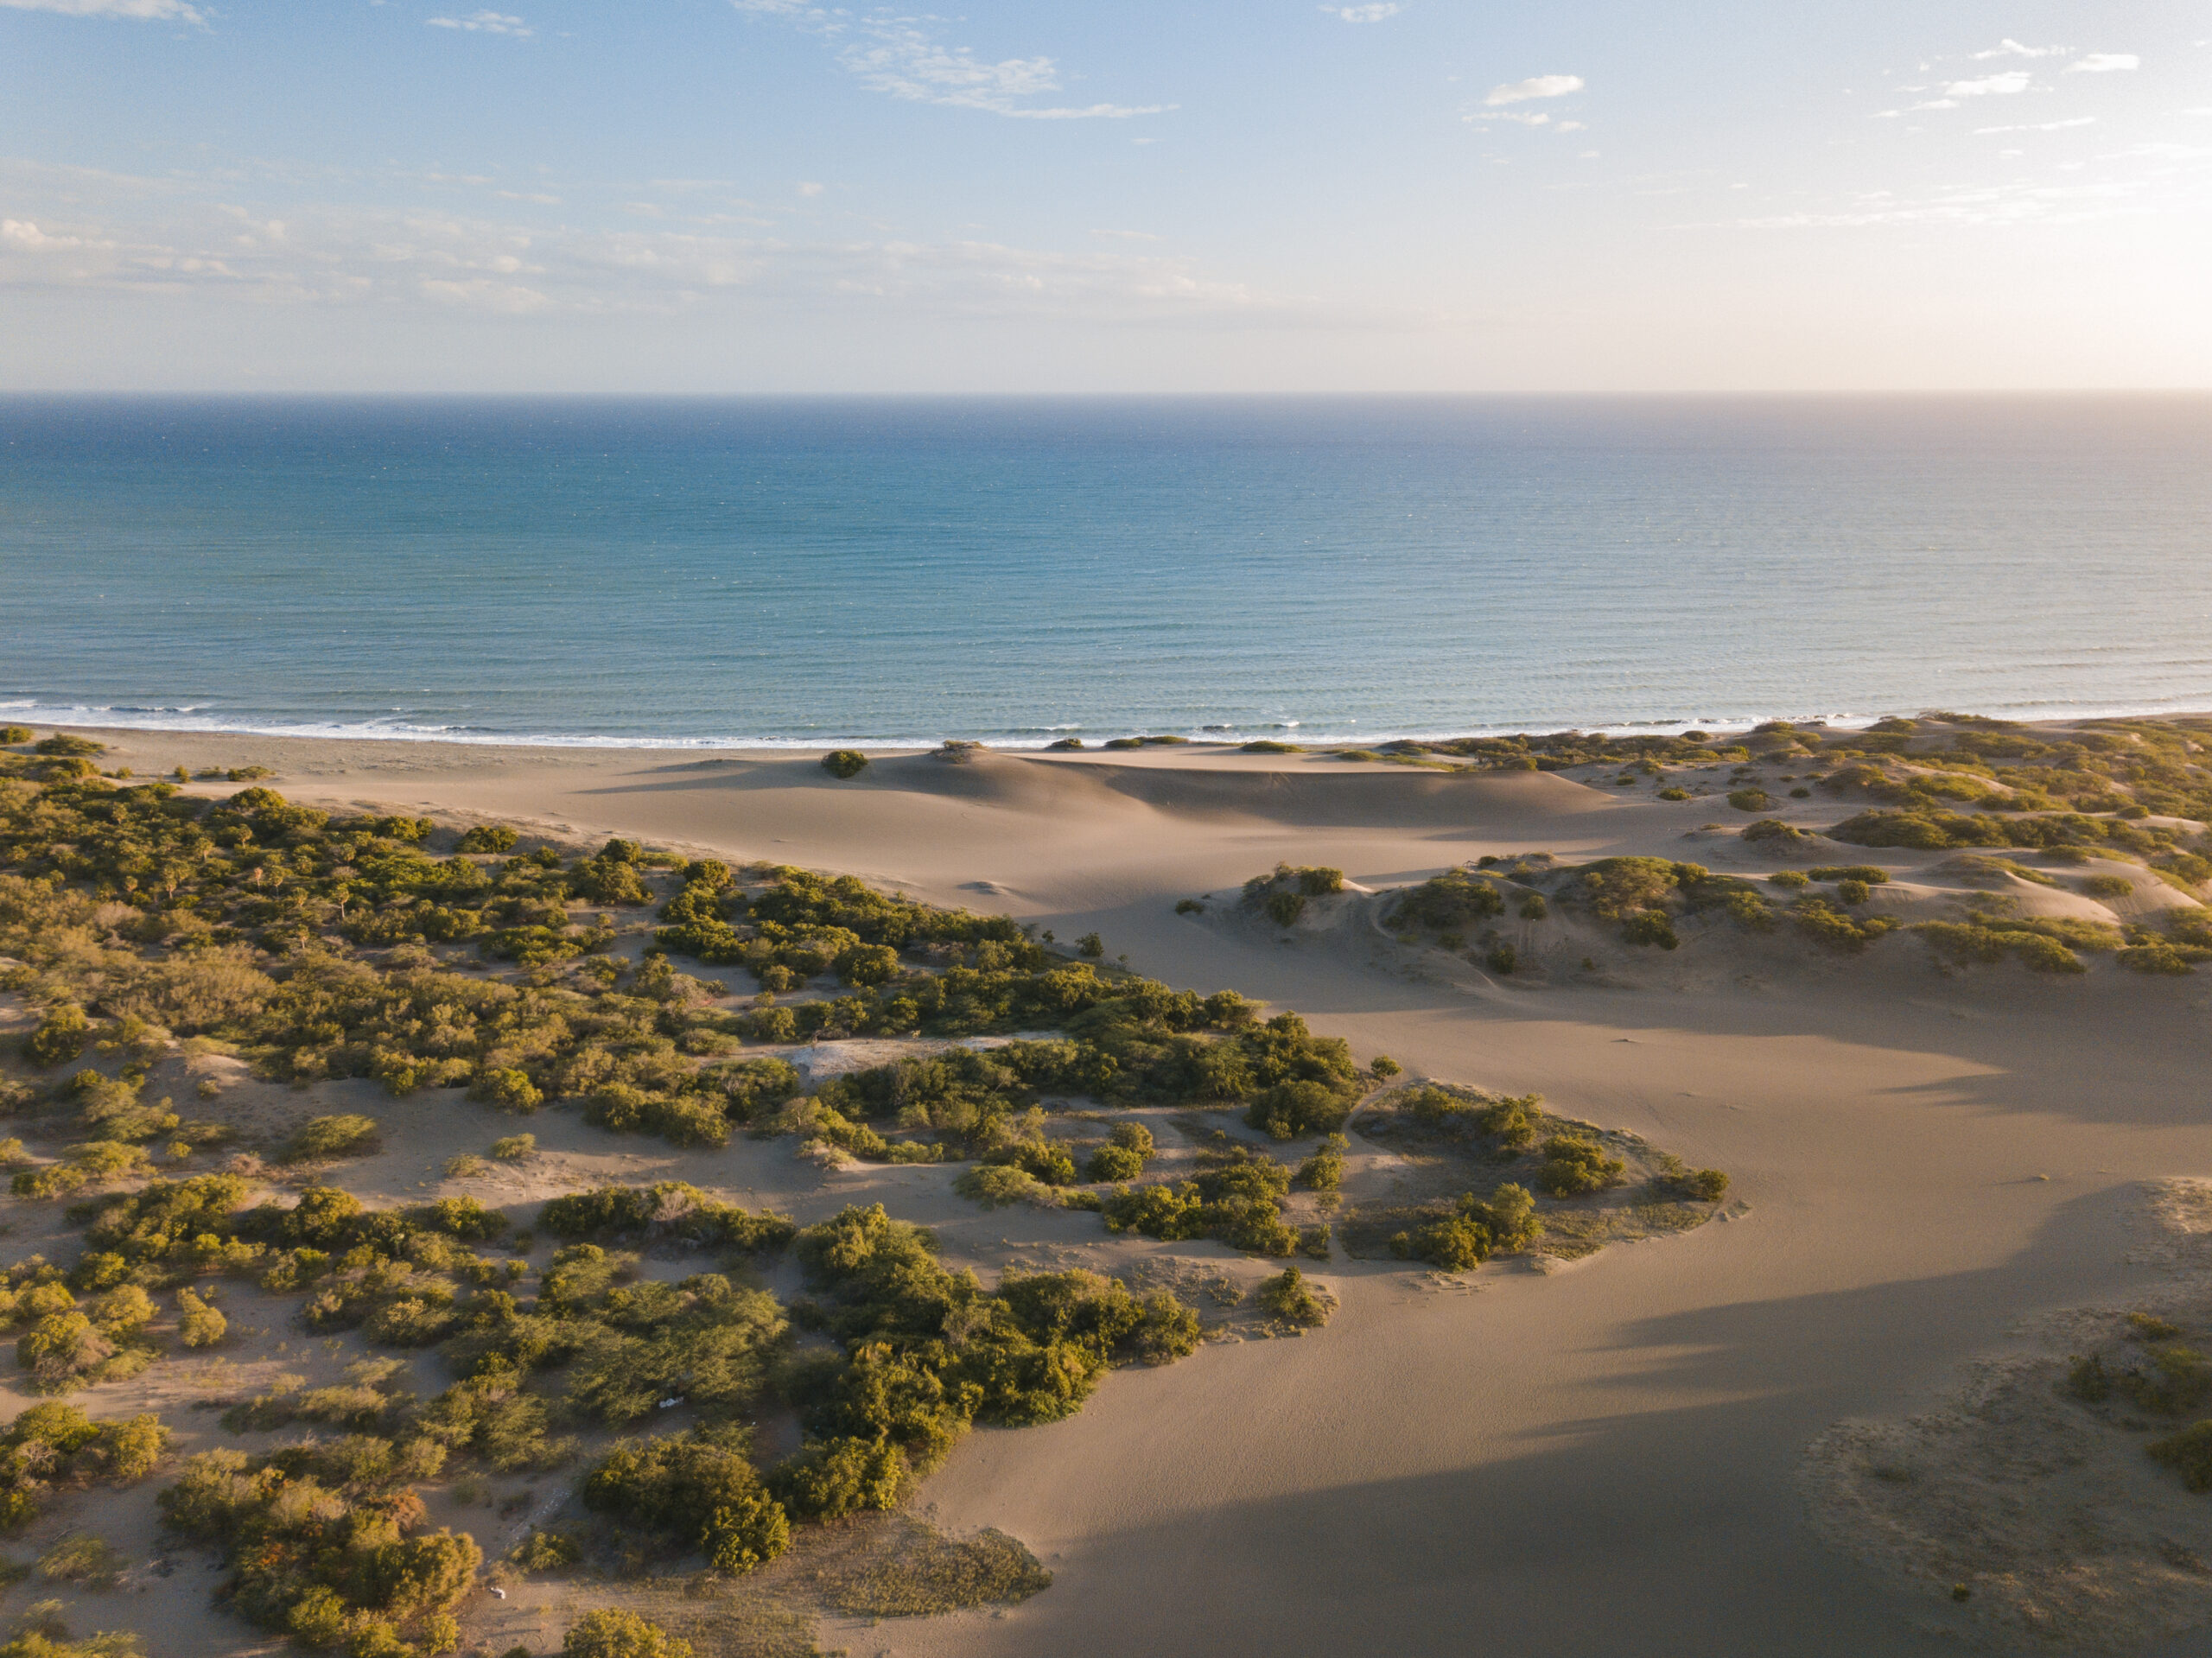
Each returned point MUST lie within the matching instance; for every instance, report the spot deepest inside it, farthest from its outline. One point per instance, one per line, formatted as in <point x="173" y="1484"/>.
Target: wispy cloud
<point x="2040" y="126"/>
<point x="486" y="22"/>
<point x="160" y="11"/>
<point x="2006" y="85"/>
<point x="21" y="233"/>
<point x="1373" y="14"/>
<point x="1520" y="91"/>
<point x="1130" y="236"/>
<point x="895" y="54"/>
<point x="2010" y="48"/>
<point x="2104" y="63"/>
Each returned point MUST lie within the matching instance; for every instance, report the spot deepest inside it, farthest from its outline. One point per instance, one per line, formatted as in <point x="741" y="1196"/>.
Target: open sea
<point x="900" y="571"/>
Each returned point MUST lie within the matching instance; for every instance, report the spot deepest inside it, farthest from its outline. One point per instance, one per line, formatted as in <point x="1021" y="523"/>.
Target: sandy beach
<point x="1607" y="1458"/>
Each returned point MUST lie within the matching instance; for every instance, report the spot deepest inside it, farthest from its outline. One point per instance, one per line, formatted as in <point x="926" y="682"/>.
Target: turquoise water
<point x="901" y="571"/>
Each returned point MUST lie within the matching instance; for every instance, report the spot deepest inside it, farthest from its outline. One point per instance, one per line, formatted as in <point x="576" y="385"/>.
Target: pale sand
<point x="1604" y="1460"/>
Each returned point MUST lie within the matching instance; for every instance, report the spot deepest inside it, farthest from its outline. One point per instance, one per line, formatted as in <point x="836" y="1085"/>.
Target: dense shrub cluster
<point x="327" y="1543"/>
<point x="1504" y="1222"/>
<point x="925" y="1351"/>
<point x="51" y="1448"/>
<point x="1447" y="903"/>
<point x="1235" y="1197"/>
<point x="1575" y="1165"/>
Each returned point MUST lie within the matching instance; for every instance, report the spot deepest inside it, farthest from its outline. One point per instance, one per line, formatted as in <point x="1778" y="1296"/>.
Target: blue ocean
<point x="900" y="571"/>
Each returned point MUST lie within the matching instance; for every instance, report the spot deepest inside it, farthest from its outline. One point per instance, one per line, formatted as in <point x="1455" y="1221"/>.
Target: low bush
<point x="1450" y="902"/>
<point x="1702" y="1185"/>
<point x="1789" y="879"/>
<point x="488" y="837"/>
<point x="1822" y="920"/>
<point x="327" y="1539"/>
<point x="1575" y="1165"/>
<point x="1991" y="940"/>
<point x="1289" y="1297"/>
<point x="323" y="1138"/>
<point x="14" y="736"/>
<point x="1459" y="1242"/>
<point x="844" y="764"/>
<point x="2189" y="1453"/>
<point x="2157" y="958"/>
<point x="1674" y="793"/>
<point x="2107" y="886"/>
<point x="696" y="1489"/>
<point x="998" y="1185"/>
<point x="53" y="1448"/>
<point x="1650" y="927"/>
<point x="1750" y="800"/>
<point x="59" y="1037"/>
<point x="612" y="1632"/>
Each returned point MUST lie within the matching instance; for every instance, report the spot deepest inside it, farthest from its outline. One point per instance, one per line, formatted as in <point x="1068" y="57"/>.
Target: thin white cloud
<point x="2040" y="126"/>
<point x="1131" y="235"/>
<point x="21" y="233"/>
<point x="158" y="12"/>
<point x="896" y="55"/>
<point x="1520" y="91"/>
<point x="2012" y="48"/>
<point x="2104" y="63"/>
<point x="1373" y="14"/>
<point x="809" y="187"/>
<point x="486" y="23"/>
<point x="2006" y="85"/>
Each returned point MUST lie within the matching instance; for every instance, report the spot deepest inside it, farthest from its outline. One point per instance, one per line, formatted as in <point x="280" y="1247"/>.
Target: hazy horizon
<point x="768" y="197"/>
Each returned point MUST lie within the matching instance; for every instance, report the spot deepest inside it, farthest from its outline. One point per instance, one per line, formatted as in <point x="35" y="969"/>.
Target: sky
<point x="774" y="196"/>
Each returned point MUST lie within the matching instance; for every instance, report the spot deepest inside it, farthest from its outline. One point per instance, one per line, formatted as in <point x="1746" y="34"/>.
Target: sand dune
<point x="1605" y="1460"/>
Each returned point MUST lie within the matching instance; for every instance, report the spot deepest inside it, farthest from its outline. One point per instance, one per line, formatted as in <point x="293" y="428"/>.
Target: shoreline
<point x="1213" y="740"/>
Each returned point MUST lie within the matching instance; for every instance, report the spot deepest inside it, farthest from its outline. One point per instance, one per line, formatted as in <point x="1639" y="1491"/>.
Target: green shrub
<point x="1674" y="793"/>
<point x="1820" y="920"/>
<point x="1284" y="908"/>
<point x="14" y="736"/>
<point x="832" y="1478"/>
<point x="53" y="1448"/>
<point x="1110" y="1162"/>
<point x="1789" y="879"/>
<point x="513" y="1148"/>
<point x="2155" y="958"/>
<point x="199" y="1325"/>
<point x="1853" y="892"/>
<point x="1323" y="1171"/>
<point x="1750" y="800"/>
<point x="1575" y="1165"/>
<point x="321" y="1536"/>
<point x="1533" y="907"/>
<point x="320" y="1139"/>
<point x="60" y="1037"/>
<point x="1289" y="1297"/>
<point x="2189" y="1453"/>
<point x="1091" y="946"/>
<point x="62" y="743"/>
<point x="1301" y="1106"/>
<point x="2107" y="886"/>
<point x="844" y="764"/>
<point x="1447" y="903"/>
<point x="1503" y="958"/>
<point x="997" y="1186"/>
<point x="1866" y="873"/>
<point x="682" y="1487"/>
<point x="489" y="837"/>
<point x="1650" y="927"/>
<point x="747" y="1534"/>
<point x="613" y="1633"/>
<point x="1704" y="1185"/>
<point x="546" y="1550"/>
